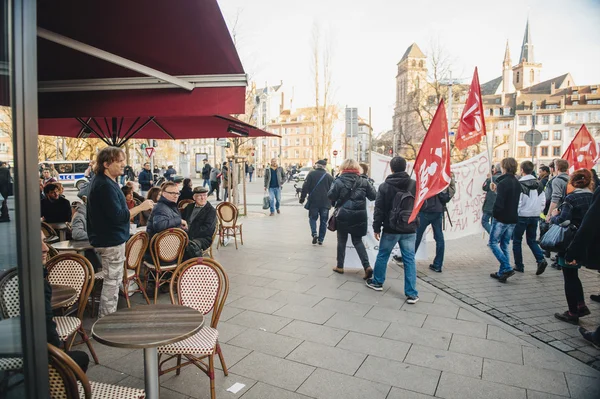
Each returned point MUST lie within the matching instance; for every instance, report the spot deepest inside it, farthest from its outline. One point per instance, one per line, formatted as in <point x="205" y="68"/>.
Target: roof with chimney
<point x="545" y="87"/>
<point x="413" y="51"/>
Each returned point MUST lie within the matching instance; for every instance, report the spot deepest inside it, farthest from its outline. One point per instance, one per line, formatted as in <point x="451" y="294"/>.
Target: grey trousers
<point x="113" y="259"/>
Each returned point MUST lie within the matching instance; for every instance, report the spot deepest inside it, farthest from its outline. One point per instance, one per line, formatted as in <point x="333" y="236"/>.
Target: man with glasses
<point x="55" y="208"/>
<point x="201" y="217"/>
<point x="165" y="214"/>
<point x="108" y="222"/>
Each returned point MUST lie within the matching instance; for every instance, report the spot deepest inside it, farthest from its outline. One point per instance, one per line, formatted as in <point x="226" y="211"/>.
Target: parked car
<point x="301" y="176"/>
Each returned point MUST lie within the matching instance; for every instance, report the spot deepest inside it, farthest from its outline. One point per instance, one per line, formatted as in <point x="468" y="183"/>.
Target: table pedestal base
<point x="151" y="373"/>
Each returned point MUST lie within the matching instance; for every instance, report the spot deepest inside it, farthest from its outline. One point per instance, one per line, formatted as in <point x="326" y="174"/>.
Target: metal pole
<point x="57" y="147"/>
<point x="450" y="104"/>
<point x="534" y="104"/>
<point x="64" y="148"/>
<point x="370" y="140"/>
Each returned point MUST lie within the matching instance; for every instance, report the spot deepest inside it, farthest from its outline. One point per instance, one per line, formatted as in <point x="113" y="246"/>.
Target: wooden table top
<point x="72" y="245"/>
<point x="62" y="295"/>
<point x="58" y="226"/>
<point x="10" y="337"/>
<point x="147" y="326"/>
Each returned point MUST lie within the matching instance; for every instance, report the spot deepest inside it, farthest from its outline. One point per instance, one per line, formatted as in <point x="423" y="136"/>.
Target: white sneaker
<point x="226" y="241"/>
<point x="412" y="300"/>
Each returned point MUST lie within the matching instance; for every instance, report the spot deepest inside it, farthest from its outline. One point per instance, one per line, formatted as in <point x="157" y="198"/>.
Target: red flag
<point x="582" y="153"/>
<point x="432" y="165"/>
<point x="472" y="122"/>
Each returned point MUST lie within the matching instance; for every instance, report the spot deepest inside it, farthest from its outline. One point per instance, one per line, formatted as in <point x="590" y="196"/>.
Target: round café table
<point x="61" y="229"/>
<point x="62" y="295"/>
<point x="79" y="246"/>
<point x="148" y="327"/>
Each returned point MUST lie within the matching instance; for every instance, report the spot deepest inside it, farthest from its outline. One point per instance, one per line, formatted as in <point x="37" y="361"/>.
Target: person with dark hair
<point x="47" y="177"/>
<point x="5" y="191"/>
<point x="169" y="173"/>
<point x="595" y="178"/>
<point x="506" y="216"/>
<point x="531" y="203"/>
<point x="134" y="188"/>
<point x="490" y="197"/>
<point x="108" y="223"/>
<point x="145" y="179"/>
<point x="558" y="187"/>
<point x="154" y="194"/>
<point x="55" y="208"/>
<point x="395" y="196"/>
<point x="543" y="176"/>
<point x="574" y="209"/>
<point x="206" y="173"/>
<point x="316" y="186"/>
<point x="350" y="192"/>
<point x="186" y="191"/>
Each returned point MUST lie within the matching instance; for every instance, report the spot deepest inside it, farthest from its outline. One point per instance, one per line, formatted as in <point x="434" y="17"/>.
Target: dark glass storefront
<point x="22" y="330"/>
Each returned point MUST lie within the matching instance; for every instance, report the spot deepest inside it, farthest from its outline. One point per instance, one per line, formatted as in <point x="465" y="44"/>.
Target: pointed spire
<point x="507" y="61"/>
<point x="527" y="47"/>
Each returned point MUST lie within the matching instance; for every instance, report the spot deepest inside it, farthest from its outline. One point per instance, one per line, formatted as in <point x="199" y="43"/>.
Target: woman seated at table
<point x="132" y="203"/>
<point x="153" y="194"/>
<point x="186" y="192"/>
<point x="79" y="232"/>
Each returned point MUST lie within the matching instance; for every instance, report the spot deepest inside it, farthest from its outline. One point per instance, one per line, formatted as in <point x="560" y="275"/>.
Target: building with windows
<point x="561" y="107"/>
<point x="297" y="129"/>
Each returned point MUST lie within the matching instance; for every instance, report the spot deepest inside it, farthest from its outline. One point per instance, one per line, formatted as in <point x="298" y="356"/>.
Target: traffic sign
<point x="533" y="138"/>
<point x="149" y="151"/>
<point x="335" y="153"/>
<point x="222" y="142"/>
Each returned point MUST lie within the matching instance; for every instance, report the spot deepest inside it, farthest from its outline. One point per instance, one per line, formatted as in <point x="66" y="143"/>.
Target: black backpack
<point x="402" y="207"/>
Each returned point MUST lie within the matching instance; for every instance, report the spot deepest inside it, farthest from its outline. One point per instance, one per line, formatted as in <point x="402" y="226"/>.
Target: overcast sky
<point x="370" y="36"/>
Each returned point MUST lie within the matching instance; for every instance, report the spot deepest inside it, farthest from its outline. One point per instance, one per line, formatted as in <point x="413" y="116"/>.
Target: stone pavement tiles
<point x="526" y="302"/>
<point x="294" y="329"/>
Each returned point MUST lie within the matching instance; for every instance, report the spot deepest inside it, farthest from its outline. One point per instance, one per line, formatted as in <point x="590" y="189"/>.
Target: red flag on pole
<point x="582" y="153"/>
<point x="472" y="122"/>
<point x="432" y="165"/>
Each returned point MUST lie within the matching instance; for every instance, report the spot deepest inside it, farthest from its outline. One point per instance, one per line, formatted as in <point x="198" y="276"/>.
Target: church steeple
<point x="507" y="61"/>
<point x="527" y="72"/>
<point x="527" y="46"/>
<point x="506" y="71"/>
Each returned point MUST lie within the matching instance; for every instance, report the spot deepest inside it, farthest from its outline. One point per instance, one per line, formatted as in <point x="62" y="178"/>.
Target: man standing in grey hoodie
<point x="531" y="204"/>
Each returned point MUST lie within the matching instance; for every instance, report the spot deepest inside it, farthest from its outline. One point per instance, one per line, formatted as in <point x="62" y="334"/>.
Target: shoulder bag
<point x="307" y="205"/>
<point x="332" y="222"/>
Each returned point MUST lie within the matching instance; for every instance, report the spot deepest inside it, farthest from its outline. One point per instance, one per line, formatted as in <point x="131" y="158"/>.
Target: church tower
<point x="527" y="72"/>
<point x="506" y="71"/>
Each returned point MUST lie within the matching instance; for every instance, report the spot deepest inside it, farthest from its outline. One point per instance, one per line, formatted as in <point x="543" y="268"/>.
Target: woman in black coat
<point x="350" y="192"/>
<point x="186" y="191"/>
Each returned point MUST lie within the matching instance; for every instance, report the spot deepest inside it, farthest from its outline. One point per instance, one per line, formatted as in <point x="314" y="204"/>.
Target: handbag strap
<point x="349" y="194"/>
<point x="320" y="180"/>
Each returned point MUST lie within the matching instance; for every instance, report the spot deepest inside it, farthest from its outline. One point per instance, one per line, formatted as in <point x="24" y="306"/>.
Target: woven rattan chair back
<point x="183" y="203"/>
<point x="167" y="247"/>
<point x="227" y="214"/>
<point x="9" y="294"/>
<point x="74" y="271"/>
<point x="134" y="251"/>
<point x="63" y="374"/>
<point x="48" y="230"/>
<point x="201" y="284"/>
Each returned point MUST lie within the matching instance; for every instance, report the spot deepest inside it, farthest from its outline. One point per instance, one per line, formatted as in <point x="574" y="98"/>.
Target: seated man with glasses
<point x="201" y="217"/>
<point x="165" y="214"/>
<point x="55" y="208"/>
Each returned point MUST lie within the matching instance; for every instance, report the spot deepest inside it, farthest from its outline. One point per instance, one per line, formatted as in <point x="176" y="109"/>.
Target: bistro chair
<point x="10" y="307"/>
<point x="208" y="252"/>
<point x="183" y="203"/>
<point x="134" y="254"/>
<point x="75" y="271"/>
<point x="201" y="284"/>
<point x="227" y="213"/>
<point x="49" y="233"/>
<point x="166" y="250"/>
<point x="67" y="380"/>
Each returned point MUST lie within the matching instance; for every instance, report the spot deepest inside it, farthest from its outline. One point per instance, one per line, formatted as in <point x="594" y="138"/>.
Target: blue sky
<point x="368" y="39"/>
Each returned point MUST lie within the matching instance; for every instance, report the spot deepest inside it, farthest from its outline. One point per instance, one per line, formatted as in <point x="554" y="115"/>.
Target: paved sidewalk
<point x="294" y="329"/>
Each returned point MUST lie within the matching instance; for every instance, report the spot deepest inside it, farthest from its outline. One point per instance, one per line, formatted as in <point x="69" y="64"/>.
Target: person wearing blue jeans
<point x="407" y="248"/>
<point x="274" y="199"/>
<point x="490" y="198"/>
<point x="323" y="215"/>
<point x="508" y="191"/>
<point x="435" y="220"/>
<point x="316" y="186"/>
<point x="274" y="179"/>
<point x="486" y="221"/>
<point x="391" y="217"/>
<point x="527" y="226"/>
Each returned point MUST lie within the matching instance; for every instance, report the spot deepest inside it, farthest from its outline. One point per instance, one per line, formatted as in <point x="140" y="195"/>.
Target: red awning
<point x="216" y="126"/>
<point x="136" y="57"/>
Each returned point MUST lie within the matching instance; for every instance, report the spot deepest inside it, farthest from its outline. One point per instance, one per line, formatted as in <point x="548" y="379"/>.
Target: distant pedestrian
<point x="47" y="177"/>
<point x="5" y="191"/>
<point x="145" y="179"/>
<point x="225" y="179"/>
<point x="394" y="204"/>
<point x="274" y="179"/>
<point x="531" y="204"/>
<point x="506" y="216"/>
<point x="250" y="172"/>
<point x="206" y="173"/>
<point x="170" y="173"/>
<point x="350" y="192"/>
<point x="316" y="186"/>
<point x="215" y="175"/>
<point x="490" y="198"/>
<point x="543" y="176"/>
<point x="108" y="222"/>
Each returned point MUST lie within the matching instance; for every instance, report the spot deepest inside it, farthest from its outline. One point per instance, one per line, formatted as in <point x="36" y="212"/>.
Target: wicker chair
<point x="134" y="254"/>
<point x="208" y="252"/>
<point x="166" y="250"/>
<point x="201" y="284"/>
<point x="10" y="307"/>
<point x="183" y="203"/>
<point x="49" y="233"/>
<point x="77" y="272"/>
<point x="227" y="213"/>
<point x="67" y="380"/>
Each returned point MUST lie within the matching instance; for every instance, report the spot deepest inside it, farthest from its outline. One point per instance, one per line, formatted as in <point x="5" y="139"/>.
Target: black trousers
<point x="342" y="240"/>
<point x="4" y="210"/>
<point x="81" y="358"/>
<point x="573" y="289"/>
<point x="214" y="186"/>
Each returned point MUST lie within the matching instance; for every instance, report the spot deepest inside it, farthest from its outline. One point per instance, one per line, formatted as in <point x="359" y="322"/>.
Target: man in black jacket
<point x="490" y="198"/>
<point x="206" y="173"/>
<point x="55" y="208"/>
<point x="201" y="218"/>
<point x="4" y="191"/>
<point x="506" y="216"/>
<point x="316" y="186"/>
<point x="145" y="179"/>
<point x="397" y="182"/>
